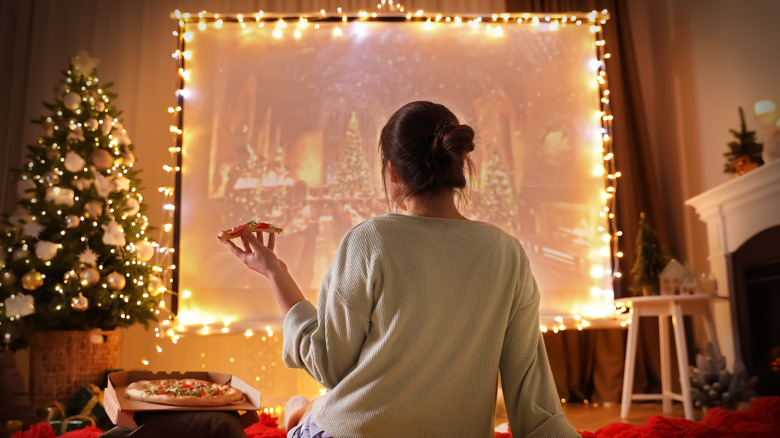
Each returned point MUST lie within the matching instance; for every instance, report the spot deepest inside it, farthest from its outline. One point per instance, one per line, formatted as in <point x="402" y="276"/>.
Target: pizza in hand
<point x="234" y="232"/>
<point x="183" y="392"/>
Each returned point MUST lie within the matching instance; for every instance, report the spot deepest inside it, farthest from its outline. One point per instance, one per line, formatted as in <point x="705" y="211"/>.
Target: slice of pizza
<point x="234" y="232"/>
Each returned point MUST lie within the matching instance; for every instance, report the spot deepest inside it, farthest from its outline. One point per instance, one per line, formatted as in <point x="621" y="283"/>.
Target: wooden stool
<point x="665" y="306"/>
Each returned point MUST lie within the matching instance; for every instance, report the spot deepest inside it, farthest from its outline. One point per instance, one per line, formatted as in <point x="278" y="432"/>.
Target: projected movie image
<point x="285" y="130"/>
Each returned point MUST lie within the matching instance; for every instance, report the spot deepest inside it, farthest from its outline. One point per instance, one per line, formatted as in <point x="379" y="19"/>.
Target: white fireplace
<point x="734" y="212"/>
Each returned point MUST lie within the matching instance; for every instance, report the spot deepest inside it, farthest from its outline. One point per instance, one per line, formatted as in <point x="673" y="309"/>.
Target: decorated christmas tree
<point x="744" y="150"/>
<point x="353" y="178"/>
<point x="76" y="253"/>
<point x="650" y="260"/>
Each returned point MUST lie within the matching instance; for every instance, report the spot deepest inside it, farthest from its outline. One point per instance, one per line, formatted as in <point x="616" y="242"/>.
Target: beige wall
<point x="699" y="60"/>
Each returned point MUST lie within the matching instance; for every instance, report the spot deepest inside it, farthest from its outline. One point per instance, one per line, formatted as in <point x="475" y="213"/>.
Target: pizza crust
<point x="183" y="392"/>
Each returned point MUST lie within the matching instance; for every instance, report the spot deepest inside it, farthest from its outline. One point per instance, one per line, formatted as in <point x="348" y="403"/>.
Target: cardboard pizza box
<point x="121" y="410"/>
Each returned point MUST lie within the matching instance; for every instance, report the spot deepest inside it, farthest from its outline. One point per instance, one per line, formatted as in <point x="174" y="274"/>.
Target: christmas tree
<point x="650" y="260"/>
<point x="353" y="179"/>
<point x="498" y="203"/>
<point x="745" y="147"/>
<point x="75" y="254"/>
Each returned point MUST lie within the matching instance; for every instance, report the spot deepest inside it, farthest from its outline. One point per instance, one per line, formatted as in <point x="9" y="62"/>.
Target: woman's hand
<point x="260" y="257"/>
<point x="257" y="256"/>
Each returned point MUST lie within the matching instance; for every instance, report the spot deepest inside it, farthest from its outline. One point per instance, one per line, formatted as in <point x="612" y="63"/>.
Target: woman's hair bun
<point x="428" y="147"/>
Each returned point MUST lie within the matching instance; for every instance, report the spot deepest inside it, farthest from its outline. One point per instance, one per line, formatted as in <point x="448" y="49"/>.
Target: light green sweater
<point x="416" y="317"/>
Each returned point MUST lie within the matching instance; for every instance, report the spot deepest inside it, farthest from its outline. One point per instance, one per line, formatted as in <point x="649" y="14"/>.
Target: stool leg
<point x="709" y="327"/>
<point x="628" y="370"/>
<point x="666" y="367"/>
<point x="682" y="360"/>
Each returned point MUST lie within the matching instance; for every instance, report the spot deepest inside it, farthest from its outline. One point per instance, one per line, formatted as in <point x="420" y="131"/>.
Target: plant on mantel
<point x="744" y="152"/>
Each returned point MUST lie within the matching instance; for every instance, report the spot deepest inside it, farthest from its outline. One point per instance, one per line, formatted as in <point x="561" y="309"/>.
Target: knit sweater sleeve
<point x="326" y="341"/>
<point x="529" y="391"/>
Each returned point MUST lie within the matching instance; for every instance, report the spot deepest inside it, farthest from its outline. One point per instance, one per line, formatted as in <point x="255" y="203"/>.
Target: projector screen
<point x="283" y="127"/>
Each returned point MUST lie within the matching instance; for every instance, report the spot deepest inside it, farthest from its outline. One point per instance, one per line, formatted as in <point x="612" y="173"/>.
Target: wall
<point x="699" y="60"/>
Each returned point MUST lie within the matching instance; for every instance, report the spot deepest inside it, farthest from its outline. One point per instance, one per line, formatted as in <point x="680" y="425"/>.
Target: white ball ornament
<point x="71" y="100"/>
<point x="116" y="281"/>
<point x="101" y="159"/>
<point x="144" y="250"/>
<point x="131" y="206"/>
<point x="74" y="162"/>
<point x="99" y="106"/>
<point x="105" y="126"/>
<point x="46" y="250"/>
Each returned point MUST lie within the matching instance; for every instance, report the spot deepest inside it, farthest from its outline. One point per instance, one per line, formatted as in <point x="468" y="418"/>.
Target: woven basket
<point x="63" y="361"/>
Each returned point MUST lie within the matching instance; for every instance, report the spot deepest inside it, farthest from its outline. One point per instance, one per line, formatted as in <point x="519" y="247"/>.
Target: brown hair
<point x="429" y="149"/>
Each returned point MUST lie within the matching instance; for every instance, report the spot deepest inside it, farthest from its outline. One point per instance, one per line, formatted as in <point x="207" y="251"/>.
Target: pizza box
<point x="121" y="410"/>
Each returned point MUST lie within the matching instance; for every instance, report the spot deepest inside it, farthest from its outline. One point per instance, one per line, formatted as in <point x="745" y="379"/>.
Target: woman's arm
<point x="262" y="259"/>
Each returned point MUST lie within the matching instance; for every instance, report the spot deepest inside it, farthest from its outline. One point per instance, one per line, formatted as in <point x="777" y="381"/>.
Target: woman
<point x="421" y="309"/>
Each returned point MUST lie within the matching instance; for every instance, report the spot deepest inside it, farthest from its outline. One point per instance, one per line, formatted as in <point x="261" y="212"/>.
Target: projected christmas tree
<point x="75" y="254"/>
<point x="498" y="203"/>
<point x="353" y="178"/>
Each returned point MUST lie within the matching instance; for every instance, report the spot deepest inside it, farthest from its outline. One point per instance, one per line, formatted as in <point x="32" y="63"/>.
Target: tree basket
<point x="63" y="361"/>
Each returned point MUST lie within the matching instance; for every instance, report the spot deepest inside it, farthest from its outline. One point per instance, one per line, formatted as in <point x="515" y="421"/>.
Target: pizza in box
<point x="183" y="392"/>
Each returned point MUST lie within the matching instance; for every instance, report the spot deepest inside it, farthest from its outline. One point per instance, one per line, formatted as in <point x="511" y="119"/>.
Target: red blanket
<point x="762" y="420"/>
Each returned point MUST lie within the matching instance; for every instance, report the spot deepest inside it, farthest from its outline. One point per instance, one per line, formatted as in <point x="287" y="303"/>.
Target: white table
<point x="665" y="306"/>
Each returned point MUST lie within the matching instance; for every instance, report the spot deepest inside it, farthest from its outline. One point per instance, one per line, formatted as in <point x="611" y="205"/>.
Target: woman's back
<point x="433" y="298"/>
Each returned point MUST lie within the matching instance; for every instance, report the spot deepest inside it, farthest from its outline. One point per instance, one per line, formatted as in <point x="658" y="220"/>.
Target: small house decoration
<point x="690" y="285"/>
<point x="673" y="276"/>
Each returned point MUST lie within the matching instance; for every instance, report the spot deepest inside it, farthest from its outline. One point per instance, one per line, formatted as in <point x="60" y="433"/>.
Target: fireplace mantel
<point x="735" y="211"/>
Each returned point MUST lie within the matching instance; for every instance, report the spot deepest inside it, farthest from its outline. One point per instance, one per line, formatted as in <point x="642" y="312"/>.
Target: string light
<point x="492" y="25"/>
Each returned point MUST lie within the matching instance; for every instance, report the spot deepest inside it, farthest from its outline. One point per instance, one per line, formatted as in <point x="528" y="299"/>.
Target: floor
<point x="591" y="417"/>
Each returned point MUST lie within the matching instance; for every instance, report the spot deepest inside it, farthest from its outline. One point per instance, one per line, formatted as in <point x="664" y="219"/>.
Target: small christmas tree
<point x="744" y="148"/>
<point x="75" y="254"/>
<point x="712" y="385"/>
<point x="650" y="260"/>
<point x="353" y="179"/>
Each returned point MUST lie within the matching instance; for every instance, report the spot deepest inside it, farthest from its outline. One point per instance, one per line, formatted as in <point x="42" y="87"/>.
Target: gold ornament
<point x="80" y="303"/>
<point x="70" y="275"/>
<point x="93" y="209"/>
<point x="116" y="281"/>
<point x="81" y="183"/>
<point x="72" y="221"/>
<point x="53" y="154"/>
<point x="32" y="280"/>
<point x="7" y="278"/>
<point x="20" y="253"/>
<point x="90" y="276"/>
<point x="91" y="124"/>
<point x="155" y="286"/>
<point x="101" y="159"/>
<point x="51" y="178"/>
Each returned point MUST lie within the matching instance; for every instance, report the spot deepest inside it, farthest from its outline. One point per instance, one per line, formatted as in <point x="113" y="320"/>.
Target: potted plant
<point x="650" y="260"/>
<point x="744" y="152"/>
